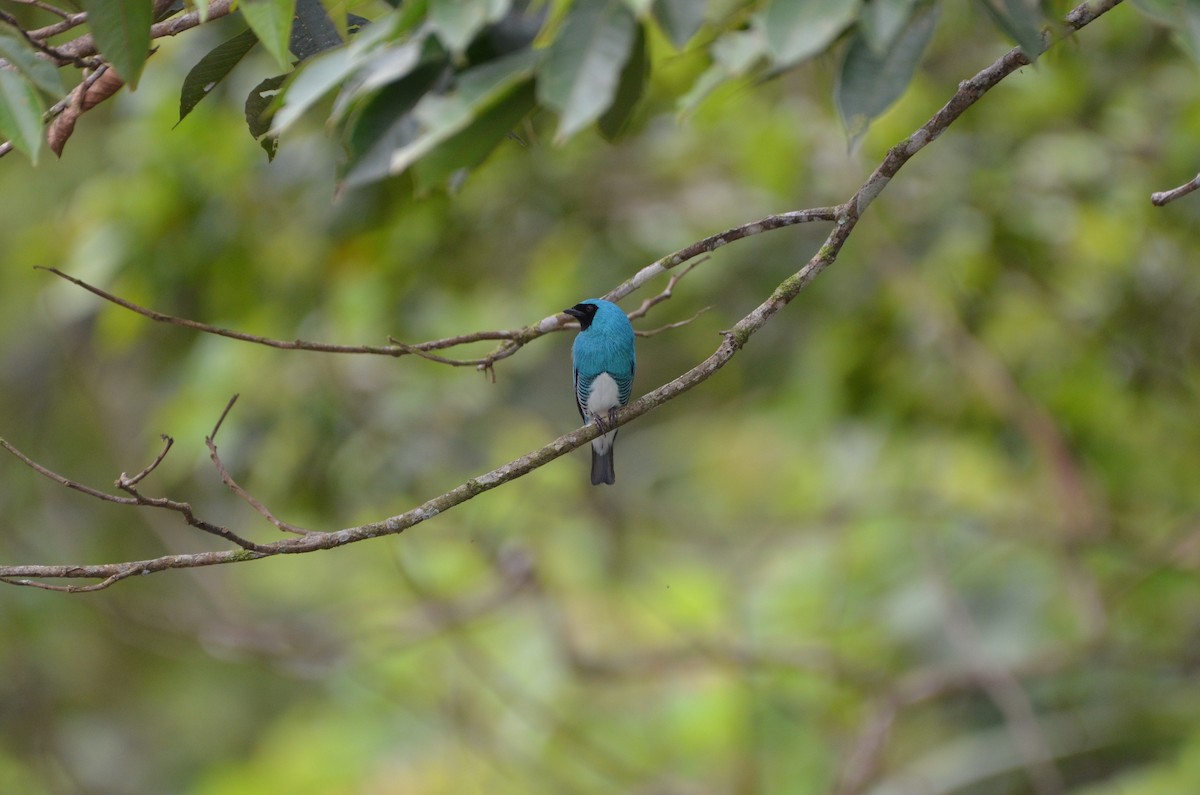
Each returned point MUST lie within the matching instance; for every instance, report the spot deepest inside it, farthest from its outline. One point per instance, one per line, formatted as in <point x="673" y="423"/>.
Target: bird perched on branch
<point x="603" y="361"/>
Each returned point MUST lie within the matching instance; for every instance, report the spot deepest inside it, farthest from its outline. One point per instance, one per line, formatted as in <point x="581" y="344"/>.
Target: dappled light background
<point x="936" y="529"/>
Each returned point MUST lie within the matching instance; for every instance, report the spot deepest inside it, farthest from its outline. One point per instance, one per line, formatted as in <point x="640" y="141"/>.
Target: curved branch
<point x="847" y="215"/>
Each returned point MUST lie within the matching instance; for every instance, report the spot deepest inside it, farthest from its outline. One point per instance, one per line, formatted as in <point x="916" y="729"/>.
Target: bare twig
<point x="228" y="480"/>
<point x="671" y="326"/>
<point x="124" y="481"/>
<point x="846" y="215"/>
<point x="666" y="292"/>
<point x="1167" y="196"/>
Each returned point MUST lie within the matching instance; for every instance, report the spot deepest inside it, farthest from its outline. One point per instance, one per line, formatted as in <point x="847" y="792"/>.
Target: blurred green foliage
<point x="963" y="462"/>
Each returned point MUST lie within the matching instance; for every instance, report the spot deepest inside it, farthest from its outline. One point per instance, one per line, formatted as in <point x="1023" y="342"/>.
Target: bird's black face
<point x="584" y="313"/>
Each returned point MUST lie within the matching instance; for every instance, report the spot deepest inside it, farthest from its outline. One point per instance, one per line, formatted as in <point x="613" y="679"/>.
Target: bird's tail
<point x="602" y="467"/>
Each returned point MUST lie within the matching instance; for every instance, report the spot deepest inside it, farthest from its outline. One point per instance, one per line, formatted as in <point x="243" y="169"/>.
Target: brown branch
<point x="50" y="9"/>
<point x="228" y="480"/>
<point x="85" y="45"/>
<point x="1167" y="196"/>
<point x="846" y="215"/>
<point x="124" y="481"/>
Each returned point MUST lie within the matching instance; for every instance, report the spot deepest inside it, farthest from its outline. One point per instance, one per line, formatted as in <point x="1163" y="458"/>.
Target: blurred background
<point x="935" y="530"/>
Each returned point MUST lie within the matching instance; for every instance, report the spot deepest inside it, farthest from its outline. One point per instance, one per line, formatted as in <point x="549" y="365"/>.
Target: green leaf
<point x="260" y="108"/>
<point x="384" y="124"/>
<point x="316" y="79"/>
<point x="271" y="21"/>
<point x="882" y="21"/>
<point x="458" y="22"/>
<point x="212" y="69"/>
<point x="1022" y="20"/>
<point x="122" y="32"/>
<point x="868" y="83"/>
<point x="470" y="146"/>
<point x="629" y="89"/>
<point x="799" y="29"/>
<point x="19" y="53"/>
<point x="312" y="30"/>
<point x="679" y="19"/>
<point x="439" y="117"/>
<point x="21" y="110"/>
<point x="579" y="76"/>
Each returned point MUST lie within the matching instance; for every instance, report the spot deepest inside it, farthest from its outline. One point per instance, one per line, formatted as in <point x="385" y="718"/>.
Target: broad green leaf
<point x="868" y="83"/>
<point x="679" y="19"/>
<point x="20" y="54"/>
<point x="382" y="68"/>
<point x="439" y="117"/>
<point x="458" y="22"/>
<point x="271" y="21"/>
<point x="579" y="76"/>
<point x="882" y="20"/>
<point x="122" y="32"/>
<point x="312" y="82"/>
<point x="312" y="30"/>
<point x="1022" y="20"/>
<point x="212" y="69"/>
<point x="384" y="125"/>
<point x="21" y="110"/>
<point x="629" y="89"/>
<point x="470" y="146"/>
<point x="799" y="29"/>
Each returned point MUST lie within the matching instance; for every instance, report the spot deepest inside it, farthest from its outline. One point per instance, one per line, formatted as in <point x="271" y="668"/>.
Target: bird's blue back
<point x="606" y="346"/>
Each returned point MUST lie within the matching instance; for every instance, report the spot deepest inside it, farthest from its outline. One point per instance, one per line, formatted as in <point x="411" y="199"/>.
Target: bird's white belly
<point x="604" y="395"/>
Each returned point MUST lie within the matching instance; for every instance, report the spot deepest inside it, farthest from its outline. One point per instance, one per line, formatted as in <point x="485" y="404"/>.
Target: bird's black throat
<point x="584" y="313"/>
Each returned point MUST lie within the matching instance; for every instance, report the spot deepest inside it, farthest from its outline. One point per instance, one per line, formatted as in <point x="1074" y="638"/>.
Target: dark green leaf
<point x="579" y="76"/>
<point x="212" y="69"/>
<point x="21" y="110"/>
<point x="271" y="21"/>
<point x="679" y="19"/>
<point x="470" y="146"/>
<point x="1022" y="20"/>
<point x="441" y="116"/>
<point x="312" y="30"/>
<point x="629" y="90"/>
<point x="799" y="29"/>
<point x="122" y="32"/>
<point x="386" y="124"/>
<point x="260" y="108"/>
<point x="868" y="83"/>
<point x="20" y="54"/>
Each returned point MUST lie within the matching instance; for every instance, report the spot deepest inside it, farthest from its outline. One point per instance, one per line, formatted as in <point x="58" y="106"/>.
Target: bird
<point x="603" y="362"/>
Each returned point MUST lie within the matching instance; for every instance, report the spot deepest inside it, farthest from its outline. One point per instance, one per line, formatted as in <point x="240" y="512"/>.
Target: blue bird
<point x="603" y="360"/>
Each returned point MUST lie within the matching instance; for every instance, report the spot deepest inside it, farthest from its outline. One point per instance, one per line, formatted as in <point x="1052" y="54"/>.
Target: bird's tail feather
<point x="602" y="467"/>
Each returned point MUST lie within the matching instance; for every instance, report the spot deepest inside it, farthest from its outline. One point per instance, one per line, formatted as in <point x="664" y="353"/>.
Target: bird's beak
<point x="575" y="313"/>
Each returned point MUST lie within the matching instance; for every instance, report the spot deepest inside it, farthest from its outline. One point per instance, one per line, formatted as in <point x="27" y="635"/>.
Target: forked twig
<point x="228" y="480"/>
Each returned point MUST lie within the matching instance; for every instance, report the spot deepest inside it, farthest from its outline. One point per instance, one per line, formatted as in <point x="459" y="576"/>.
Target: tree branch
<point x="846" y="215"/>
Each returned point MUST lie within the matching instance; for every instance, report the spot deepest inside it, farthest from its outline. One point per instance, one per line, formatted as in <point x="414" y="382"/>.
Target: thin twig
<point x="671" y="326"/>
<point x="124" y="481"/>
<point x="1167" y="196"/>
<point x="667" y="291"/>
<point x="228" y="480"/>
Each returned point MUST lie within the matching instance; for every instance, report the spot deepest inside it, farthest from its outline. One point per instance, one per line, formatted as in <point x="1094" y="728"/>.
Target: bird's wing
<point x="625" y="384"/>
<point x="581" y="393"/>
